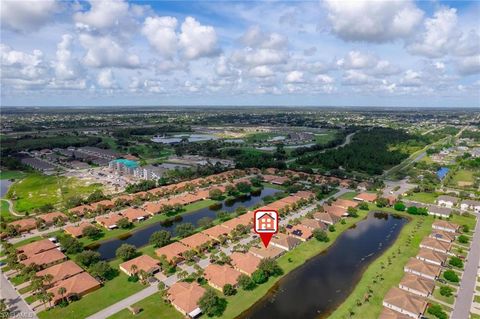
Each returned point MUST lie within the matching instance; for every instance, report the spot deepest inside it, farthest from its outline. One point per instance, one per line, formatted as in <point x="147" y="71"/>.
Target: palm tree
<point x="62" y="291"/>
<point x="48" y="279"/>
<point x="133" y="269"/>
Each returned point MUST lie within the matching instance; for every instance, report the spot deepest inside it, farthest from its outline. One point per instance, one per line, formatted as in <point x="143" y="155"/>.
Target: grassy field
<point x="151" y="307"/>
<point x="349" y="195"/>
<point x="12" y="174"/>
<point x="463" y="175"/>
<point x="428" y="198"/>
<point x="113" y="291"/>
<point x="436" y="293"/>
<point x="326" y="137"/>
<point x="289" y="261"/>
<point x="36" y="190"/>
<point x="5" y="212"/>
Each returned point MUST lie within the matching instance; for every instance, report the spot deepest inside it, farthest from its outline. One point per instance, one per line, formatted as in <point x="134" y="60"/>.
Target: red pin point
<point x="265" y="224"/>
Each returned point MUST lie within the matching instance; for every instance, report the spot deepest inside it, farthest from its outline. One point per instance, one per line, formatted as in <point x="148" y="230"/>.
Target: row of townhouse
<point x="465" y="205"/>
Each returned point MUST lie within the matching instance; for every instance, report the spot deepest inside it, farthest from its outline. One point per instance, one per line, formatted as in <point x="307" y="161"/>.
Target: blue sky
<point x="325" y="53"/>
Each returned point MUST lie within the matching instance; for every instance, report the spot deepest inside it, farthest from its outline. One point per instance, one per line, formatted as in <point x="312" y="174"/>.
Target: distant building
<point x="123" y="166"/>
<point x="447" y="201"/>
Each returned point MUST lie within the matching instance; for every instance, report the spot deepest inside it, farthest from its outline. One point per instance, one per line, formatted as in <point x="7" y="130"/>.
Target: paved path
<point x="18" y="307"/>
<point x="464" y="298"/>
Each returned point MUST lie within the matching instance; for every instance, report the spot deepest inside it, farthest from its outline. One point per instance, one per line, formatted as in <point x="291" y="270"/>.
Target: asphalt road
<point x="18" y="307"/>
<point x="464" y="298"/>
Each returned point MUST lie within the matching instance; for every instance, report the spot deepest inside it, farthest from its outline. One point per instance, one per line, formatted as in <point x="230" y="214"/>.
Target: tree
<point x="126" y="252"/>
<point x="451" y="276"/>
<point x="160" y="238"/>
<point x="352" y="212"/>
<point x="62" y="291"/>
<point x="382" y="202"/>
<point x="70" y="245"/>
<point x="211" y="304"/>
<point x="102" y="270"/>
<point x="331" y="228"/>
<point x="463" y="239"/>
<point x="215" y="194"/>
<point x="4" y="312"/>
<point x="446" y="291"/>
<point x="205" y="222"/>
<point x="270" y="267"/>
<point x="465" y="229"/>
<point x="88" y="257"/>
<point x="245" y="282"/>
<point x="229" y="290"/>
<point x="320" y="235"/>
<point x="92" y="232"/>
<point x="399" y="206"/>
<point x="184" y="230"/>
<point x="124" y="223"/>
<point x="437" y="311"/>
<point x="456" y="262"/>
<point x="363" y="206"/>
<point x="259" y="277"/>
<point x="244" y="187"/>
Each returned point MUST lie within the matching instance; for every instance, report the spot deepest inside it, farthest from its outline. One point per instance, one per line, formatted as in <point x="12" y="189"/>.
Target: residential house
<point x="420" y="268"/>
<point x="246" y="263"/>
<point x="216" y="232"/>
<point x="345" y="203"/>
<point x="270" y="252"/>
<point x="61" y="271"/>
<point x="405" y="303"/>
<point x="447" y="201"/>
<point x="184" y="297"/>
<point x="388" y="313"/>
<point x="78" y="285"/>
<point x="284" y="241"/>
<point x="36" y="247"/>
<point x="442" y="235"/>
<point x="335" y="210"/>
<point x="24" y="225"/>
<point x="220" y="275"/>
<point x="473" y="205"/>
<point x="77" y="231"/>
<point x="313" y="223"/>
<point x="366" y="197"/>
<point x="110" y="221"/>
<point x="81" y="210"/>
<point x="50" y="218"/>
<point x="143" y="262"/>
<point x="436" y="245"/>
<point x="432" y="256"/>
<point x="103" y="205"/>
<point x="173" y="252"/>
<point x="327" y="218"/>
<point x="135" y="214"/>
<point x="196" y="241"/>
<point x="45" y="259"/>
<point x="299" y="231"/>
<point x="417" y="285"/>
<point x="446" y="226"/>
<point x="443" y="212"/>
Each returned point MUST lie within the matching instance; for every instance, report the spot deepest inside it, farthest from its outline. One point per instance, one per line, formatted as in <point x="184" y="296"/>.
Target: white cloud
<point x="197" y="40"/>
<point x="411" y="78"/>
<point x="354" y="77"/>
<point x="261" y="71"/>
<point x="294" y="77"/>
<point x="260" y="57"/>
<point x="106" y="79"/>
<point x="324" y="79"/>
<point x="468" y="65"/>
<point x="373" y="21"/>
<point x="357" y="60"/>
<point x="103" y="51"/>
<point x="66" y="67"/>
<point x="103" y="14"/>
<point x="160" y="33"/>
<point x="26" y="16"/>
<point x="254" y="37"/>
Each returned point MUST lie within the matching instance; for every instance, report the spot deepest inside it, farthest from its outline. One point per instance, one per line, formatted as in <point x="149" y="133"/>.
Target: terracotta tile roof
<point x="108" y="221"/>
<point x="432" y="255"/>
<point x="367" y="197"/>
<point x="81" y="210"/>
<point x="313" y="224"/>
<point x="219" y="275"/>
<point x="24" y="224"/>
<point x="442" y="235"/>
<point x="61" y="271"/>
<point x="401" y="299"/>
<point x="435" y="244"/>
<point x="327" y="218"/>
<point x="134" y="214"/>
<point x="47" y="257"/>
<point x="216" y="231"/>
<point x="391" y="199"/>
<point x="417" y="283"/>
<point x="300" y="231"/>
<point x="77" y="231"/>
<point x="232" y="223"/>
<point x="288" y="200"/>
<point x="304" y="194"/>
<point x="422" y="267"/>
<point x="79" y="284"/>
<point x="185" y="295"/>
<point x="141" y="195"/>
<point x="196" y="240"/>
<point x="125" y="198"/>
<point x="143" y="262"/>
<point x="445" y="224"/>
<point x="284" y="241"/>
<point x="106" y="203"/>
<point x="36" y="247"/>
<point x="335" y="210"/>
<point x="171" y="251"/>
<point x="246" y="218"/>
<point x="345" y="203"/>
<point x="390" y="314"/>
<point x="246" y="263"/>
<point x="270" y="252"/>
<point x="49" y="218"/>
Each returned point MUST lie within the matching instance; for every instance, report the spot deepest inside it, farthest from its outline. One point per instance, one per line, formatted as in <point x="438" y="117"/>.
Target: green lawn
<point x="428" y="198"/>
<point x="474" y="316"/>
<point x="436" y="293"/>
<point x="31" y="299"/>
<point x="36" y="190"/>
<point x="463" y="175"/>
<point x="12" y="174"/>
<point x="245" y="299"/>
<point x="18" y="279"/>
<point x="152" y="307"/>
<point x="5" y="212"/>
<point x="113" y="291"/>
<point x="349" y="195"/>
<point x="325" y="137"/>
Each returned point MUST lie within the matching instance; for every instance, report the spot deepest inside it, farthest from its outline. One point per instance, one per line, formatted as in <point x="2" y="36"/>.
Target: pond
<point x="141" y="237"/>
<point x="178" y="138"/>
<point x="4" y="186"/>
<point x="319" y="286"/>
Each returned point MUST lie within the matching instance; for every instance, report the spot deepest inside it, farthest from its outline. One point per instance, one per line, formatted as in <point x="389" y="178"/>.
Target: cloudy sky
<point x="339" y="53"/>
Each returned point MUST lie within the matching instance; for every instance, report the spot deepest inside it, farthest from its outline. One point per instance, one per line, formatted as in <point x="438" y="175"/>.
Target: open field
<point x="12" y="174"/>
<point x="151" y="308"/>
<point x="348" y="195"/>
<point x="325" y="137"/>
<point x="428" y="198"/>
<point x="36" y="190"/>
<point x="463" y="175"/>
<point x="5" y="211"/>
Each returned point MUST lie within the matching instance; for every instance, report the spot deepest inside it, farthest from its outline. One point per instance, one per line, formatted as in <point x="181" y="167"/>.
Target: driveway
<point x="464" y="298"/>
<point x="18" y="307"/>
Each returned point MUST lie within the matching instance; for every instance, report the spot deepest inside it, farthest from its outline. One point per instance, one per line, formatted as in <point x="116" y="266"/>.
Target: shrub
<point x="245" y="282"/>
<point x="88" y="257"/>
<point x="320" y="235"/>
<point x="270" y="267"/>
<point x="437" y="311"/>
<point x="465" y="228"/>
<point x="446" y="291"/>
<point x="463" y="239"/>
<point x="259" y="277"/>
<point x="363" y="206"/>
<point x="92" y="232"/>
<point x="456" y="262"/>
<point x="451" y="276"/>
<point x="229" y="290"/>
<point x="185" y="229"/>
<point x="331" y="228"/>
<point x="124" y="223"/>
<point x="211" y="304"/>
<point x="399" y="206"/>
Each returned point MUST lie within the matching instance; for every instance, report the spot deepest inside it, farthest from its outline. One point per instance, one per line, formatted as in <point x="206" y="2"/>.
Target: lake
<point x="141" y="237"/>
<point x="319" y="286"/>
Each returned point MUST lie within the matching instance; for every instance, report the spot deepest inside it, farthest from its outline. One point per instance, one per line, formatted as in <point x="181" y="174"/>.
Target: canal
<point x="141" y="237"/>
<point x="319" y="286"/>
